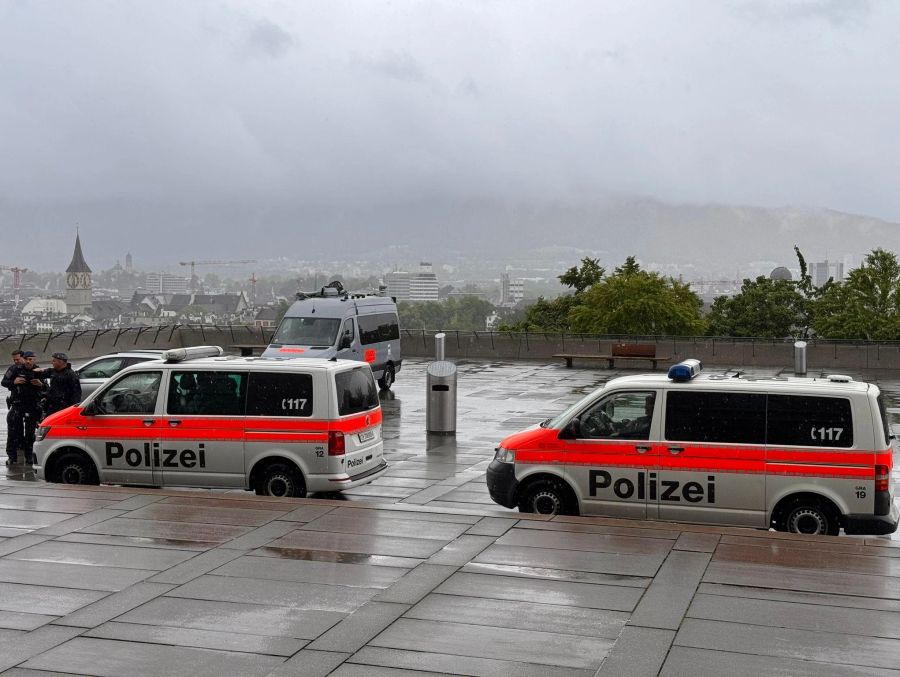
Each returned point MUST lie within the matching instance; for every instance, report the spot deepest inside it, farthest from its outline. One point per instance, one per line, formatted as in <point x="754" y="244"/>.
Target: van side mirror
<point x="572" y="431"/>
<point x="89" y="410"/>
<point x="346" y="341"/>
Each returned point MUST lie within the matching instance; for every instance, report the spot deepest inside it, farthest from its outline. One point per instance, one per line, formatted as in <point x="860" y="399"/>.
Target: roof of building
<point x="78" y="264"/>
<point x="267" y="313"/>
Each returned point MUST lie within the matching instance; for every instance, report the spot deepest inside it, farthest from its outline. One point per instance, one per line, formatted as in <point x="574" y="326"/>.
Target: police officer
<point x="13" y="440"/>
<point x="25" y="409"/>
<point x="65" y="388"/>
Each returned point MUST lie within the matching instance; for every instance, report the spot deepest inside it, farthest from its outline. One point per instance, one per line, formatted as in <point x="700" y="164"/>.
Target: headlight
<point x="42" y="432"/>
<point x="505" y="455"/>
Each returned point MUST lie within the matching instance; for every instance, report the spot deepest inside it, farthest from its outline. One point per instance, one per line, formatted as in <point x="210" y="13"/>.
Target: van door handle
<point x="675" y="450"/>
<point x="148" y="421"/>
<point x="641" y="449"/>
<point x="174" y="422"/>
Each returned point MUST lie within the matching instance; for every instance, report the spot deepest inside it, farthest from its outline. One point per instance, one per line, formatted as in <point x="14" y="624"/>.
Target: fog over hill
<point x="712" y="237"/>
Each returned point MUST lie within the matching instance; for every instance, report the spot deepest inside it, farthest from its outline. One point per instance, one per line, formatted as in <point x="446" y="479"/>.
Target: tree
<point x="866" y="305"/>
<point x="763" y="307"/>
<point x="634" y="301"/>
<point x="585" y="277"/>
<point x="545" y="315"/>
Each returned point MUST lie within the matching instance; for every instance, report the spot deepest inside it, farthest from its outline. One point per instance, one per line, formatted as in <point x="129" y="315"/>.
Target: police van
<point x="333" y="323"/>
<point x="805" y="455"/>
<point x="196" y="418"/>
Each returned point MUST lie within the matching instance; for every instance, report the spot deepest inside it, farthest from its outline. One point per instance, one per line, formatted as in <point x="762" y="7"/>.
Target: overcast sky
<point x="171" y="115"/>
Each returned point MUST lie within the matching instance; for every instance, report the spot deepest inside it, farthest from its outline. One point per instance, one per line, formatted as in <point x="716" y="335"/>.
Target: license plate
<point x="367" y="435"/>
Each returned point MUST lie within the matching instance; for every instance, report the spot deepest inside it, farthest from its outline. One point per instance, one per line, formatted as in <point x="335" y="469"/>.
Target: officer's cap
<point x="28" y="353"/>
<point x="61" y="356"/>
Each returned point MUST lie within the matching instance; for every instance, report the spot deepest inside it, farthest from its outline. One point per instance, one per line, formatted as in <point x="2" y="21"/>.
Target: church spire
<point x="78" y="264"/>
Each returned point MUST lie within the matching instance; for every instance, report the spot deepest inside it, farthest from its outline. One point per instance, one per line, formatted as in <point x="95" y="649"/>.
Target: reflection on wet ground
<point x="422" y="574"/>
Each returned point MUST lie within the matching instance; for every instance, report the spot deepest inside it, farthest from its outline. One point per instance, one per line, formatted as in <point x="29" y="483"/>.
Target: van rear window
<point x="738" y="418"/>
<point x="805" y="420"/>
<point x="377" y="328"/>
<point x="280" y="395"/>
<point x="356" y="391"/>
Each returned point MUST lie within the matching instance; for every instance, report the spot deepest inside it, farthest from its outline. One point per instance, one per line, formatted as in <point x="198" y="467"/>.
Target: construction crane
<point x="252" y="282"/>
<point x="192" y="264"/>
<point x="17" y="278"/>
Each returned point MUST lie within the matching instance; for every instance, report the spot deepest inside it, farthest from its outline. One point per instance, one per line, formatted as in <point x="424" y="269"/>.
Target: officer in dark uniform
<point x="13" y="440"/>
<point x="25" y="409"/>
<point x="65" y="388"/>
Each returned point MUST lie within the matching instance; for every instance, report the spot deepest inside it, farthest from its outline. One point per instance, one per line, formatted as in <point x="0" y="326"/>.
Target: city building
<point x="419" y="286"/>
<point x="78" y="283"/>
<point x="398" y="285"/>
<point x="512" y="290"/>
<point x="166" y="283"/>
<point x="822" y="270"/>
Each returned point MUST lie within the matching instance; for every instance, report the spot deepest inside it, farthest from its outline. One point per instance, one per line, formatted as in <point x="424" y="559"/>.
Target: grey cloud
<point x="270" y="39"/>
<point x="394" y="64"/>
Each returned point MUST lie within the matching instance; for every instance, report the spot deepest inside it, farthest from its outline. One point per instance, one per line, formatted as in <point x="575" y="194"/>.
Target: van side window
<point x="624" y="416"/>
<point x="377" y="328"/>
<point x="132" y="394"/>
<point x="356" y="391"/>
<point x="738" y="418"/>
<point x="805" y="420"/>
<point x="280" y="395"/>
<point x="207" y="393"/>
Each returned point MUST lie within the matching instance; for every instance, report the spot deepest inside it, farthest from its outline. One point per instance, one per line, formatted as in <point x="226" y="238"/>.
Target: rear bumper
<point x="502" y="484"/>
<point x="872" y="524"/>
<point x="328" y="483"/>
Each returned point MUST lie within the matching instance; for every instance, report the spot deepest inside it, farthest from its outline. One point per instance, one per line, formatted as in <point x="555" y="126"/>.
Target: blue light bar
<point x="685" y="371"/>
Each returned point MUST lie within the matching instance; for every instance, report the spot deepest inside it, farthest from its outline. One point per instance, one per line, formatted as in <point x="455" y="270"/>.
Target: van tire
<point x="73" y="467"/>
<point x="547" y="497"/>
<point x="809" y="516"/>
<point x="387" y="378"/>
<point x="280" y="480"/>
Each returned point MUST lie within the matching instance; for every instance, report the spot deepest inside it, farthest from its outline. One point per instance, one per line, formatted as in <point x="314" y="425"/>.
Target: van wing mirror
<point x="89" y="410"/>
<point x="346" y="341"/>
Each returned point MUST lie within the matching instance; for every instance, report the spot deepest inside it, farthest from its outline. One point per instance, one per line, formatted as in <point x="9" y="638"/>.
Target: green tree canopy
<point x="634" y="301"/>
<point x="467" y="313"/>
<point x="763" y="307"/>
<point x="866" y="305"/>
<point x="583" y="277"/>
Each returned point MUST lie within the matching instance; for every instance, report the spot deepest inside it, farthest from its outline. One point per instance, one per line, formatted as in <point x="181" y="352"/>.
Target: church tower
<point x="78" y="283"/>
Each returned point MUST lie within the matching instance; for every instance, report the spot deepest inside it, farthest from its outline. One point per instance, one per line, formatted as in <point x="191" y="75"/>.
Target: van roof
<point x="340" y="304"/>
<point x="260" y="363"/>
<point x="743" y="382"/>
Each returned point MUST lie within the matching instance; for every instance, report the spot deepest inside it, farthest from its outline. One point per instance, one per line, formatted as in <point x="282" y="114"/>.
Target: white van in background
<point x="332" y="323"/>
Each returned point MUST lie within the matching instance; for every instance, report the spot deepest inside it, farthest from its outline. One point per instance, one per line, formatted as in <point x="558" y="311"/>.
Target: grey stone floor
<point x="430" y="579"/>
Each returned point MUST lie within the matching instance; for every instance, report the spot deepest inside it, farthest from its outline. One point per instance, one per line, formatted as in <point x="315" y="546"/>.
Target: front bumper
<point x="872" y="524"/>
<point x="502" y="483"/>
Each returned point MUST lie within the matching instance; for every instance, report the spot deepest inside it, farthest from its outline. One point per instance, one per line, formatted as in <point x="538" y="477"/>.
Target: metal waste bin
<point x="799" y="358"/>
<point x="440" y="400"/>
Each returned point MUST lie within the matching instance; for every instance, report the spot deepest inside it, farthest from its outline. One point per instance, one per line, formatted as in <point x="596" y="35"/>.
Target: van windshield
<point x="317" y="332"/>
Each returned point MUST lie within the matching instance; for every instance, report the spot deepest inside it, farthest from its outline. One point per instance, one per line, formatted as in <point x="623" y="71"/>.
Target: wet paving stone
<point x="233" y="617"/>
<point x="685" y="662"/>
<point x="110" y="579"/>
<point x="364" y="543"/>
<point x="207" y="515"/>
<point x="592" y="542"/>
<point x="25" y="519"/>
<point x="210" y="533"/>
<point x="300" y="571"/>
<point x="311" y="596"/>
<point x="103" y="555"/>
<point x="387" y="525"/>
<point x="500" y="643"/>
<point x="576" y="560"/>
<point x="45" y="599"/>
<point x="111" y="658"/>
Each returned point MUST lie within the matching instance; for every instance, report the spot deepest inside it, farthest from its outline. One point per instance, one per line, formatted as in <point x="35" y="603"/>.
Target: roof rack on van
<point x="333" y="289"/>
<point x="685" y="371"/>
<point x="193" y="353"/>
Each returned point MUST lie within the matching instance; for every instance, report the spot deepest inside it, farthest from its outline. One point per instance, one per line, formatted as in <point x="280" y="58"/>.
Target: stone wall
<point x="821" y="355"/>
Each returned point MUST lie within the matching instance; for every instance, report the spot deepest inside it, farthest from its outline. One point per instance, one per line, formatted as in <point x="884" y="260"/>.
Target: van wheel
<point x="809" y="516"/>
<point x="387" y="378"/>
<point x="280" y="479"/>
<point x="74" y="468"/>
<point x="546" y="497"/>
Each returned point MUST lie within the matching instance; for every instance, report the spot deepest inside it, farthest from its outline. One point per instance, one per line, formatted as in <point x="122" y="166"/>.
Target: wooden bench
<point x="620" y="351"/>
<point x="249" y="349"/>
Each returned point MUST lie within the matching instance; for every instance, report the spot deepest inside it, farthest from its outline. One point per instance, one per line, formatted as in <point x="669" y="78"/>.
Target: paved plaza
<point x="420" y="573"/>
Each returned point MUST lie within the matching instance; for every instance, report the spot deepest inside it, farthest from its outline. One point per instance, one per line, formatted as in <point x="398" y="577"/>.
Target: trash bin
<point x="799" y="358"/>
<point x="440" y="403"/>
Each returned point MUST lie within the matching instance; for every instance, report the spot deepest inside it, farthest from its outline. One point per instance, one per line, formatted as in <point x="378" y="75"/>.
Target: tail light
<point x="882" y="476"/>
<point x="336" y="445"/>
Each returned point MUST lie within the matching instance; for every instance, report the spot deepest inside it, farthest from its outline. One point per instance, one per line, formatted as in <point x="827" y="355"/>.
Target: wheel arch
<point x="541" y="476"/>
<point x="261" y="464"/>
<point x="50" y="464"/>
<point x="777" y="512"/>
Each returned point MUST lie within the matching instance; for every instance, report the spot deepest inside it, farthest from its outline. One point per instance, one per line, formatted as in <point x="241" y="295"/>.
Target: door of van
<point x="348" y="350"/>
<point x="202" y="431"/>
<point x="712" y="458"/>
<point x="609" y="453"/>
<point x="122" y="427"/>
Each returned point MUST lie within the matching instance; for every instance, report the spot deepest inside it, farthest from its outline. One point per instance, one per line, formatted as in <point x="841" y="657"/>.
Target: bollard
<point x="440" y="396"/>
<point x="800" y="358"/>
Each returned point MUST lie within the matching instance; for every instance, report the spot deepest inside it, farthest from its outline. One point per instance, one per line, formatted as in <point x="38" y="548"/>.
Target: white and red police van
<point x="806" y="455"/>
<point x="196" y="418"/>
